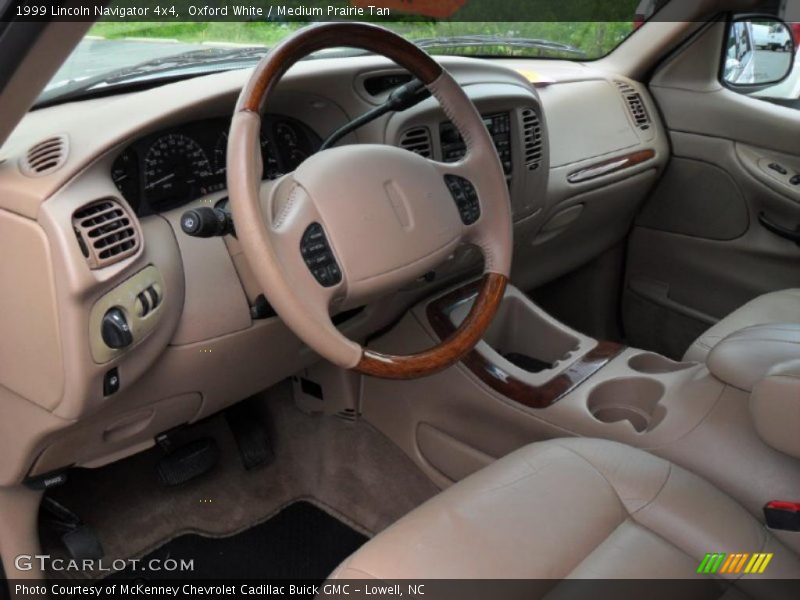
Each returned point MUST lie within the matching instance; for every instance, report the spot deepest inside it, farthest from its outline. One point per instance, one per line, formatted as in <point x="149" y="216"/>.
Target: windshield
<point x="113" y="52"/>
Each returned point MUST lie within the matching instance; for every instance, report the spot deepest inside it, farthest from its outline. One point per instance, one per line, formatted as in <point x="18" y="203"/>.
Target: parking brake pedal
<point x="80" y="540"/>
<point x="186" y="462"/>
<point x="250" y="433"/>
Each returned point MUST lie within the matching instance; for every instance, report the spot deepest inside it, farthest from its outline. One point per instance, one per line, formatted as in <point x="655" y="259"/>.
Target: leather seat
<point x="573" y="507"/>
<point x="776" y="307"/>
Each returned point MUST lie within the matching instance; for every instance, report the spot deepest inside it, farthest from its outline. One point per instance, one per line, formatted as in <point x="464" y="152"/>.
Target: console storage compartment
<point x="524" y="341"/>
<point x="519" y="336"/>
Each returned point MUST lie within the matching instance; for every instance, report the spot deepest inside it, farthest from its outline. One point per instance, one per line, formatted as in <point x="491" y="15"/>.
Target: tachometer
<point x="175" y="168"/>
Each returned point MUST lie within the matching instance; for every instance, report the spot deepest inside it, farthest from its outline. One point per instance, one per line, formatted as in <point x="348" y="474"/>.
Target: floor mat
<point x="300" y="542"/>
<point x="348" y="468"/>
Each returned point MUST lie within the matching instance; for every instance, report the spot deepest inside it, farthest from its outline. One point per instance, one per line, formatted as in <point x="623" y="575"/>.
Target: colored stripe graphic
<point x="711" y="562"/>
<point x="759" y="562"/>
<point x="723" y="563"/>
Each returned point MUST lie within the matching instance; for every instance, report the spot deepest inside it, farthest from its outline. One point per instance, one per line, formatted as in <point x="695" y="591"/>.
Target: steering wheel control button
<point x="318" y="256"/>
<point x="115" y="330"/>
<point x="111" y="382"/>
<point x="466" y="198"/>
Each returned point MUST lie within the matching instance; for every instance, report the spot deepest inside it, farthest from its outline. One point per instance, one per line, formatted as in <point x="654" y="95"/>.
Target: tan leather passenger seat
<point x="571" y="507"/>
<point x="776" y="307"/>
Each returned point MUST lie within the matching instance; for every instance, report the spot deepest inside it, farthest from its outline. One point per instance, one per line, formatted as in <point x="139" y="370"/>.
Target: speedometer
<point x="176" y="168"/>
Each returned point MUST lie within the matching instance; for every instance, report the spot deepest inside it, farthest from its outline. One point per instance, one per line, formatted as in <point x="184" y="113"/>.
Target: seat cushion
<point x="776" y="307"/>
<point x="578" y="508"/>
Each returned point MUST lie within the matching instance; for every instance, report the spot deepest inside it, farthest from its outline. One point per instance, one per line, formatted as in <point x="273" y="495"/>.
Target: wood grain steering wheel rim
<point x="267" y="238"/>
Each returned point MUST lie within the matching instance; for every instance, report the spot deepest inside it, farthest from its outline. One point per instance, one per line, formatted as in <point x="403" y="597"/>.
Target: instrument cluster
<point x="170" y="168"/>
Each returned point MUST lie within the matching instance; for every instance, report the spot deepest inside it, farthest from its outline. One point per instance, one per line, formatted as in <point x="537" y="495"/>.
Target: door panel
<point x="697" y="250"/>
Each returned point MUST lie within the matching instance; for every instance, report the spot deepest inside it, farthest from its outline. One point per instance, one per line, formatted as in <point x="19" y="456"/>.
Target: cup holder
<point x="632" y="399"/>
<point x="655" y="364"/>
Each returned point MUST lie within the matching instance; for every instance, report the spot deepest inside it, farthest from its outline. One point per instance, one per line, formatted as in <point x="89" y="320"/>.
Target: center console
<point x="533" y="378"/>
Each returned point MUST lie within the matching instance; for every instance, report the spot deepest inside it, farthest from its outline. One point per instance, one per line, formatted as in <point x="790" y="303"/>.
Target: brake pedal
<point x="250" y="434"/>
<point x="187" y="462"/>
<point x="80" y="540"/>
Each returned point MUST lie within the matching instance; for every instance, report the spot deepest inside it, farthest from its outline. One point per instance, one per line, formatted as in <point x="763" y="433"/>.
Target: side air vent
<point x="45" y="157"/>
<point x="417" y="139"/>
<point x="106" y="233"/>
<point x="635" y="105"/>
<point x="532" y="139"/>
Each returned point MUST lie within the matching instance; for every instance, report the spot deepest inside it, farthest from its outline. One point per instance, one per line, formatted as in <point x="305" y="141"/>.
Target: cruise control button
<point x="335" y="273"/>
<point x="465" y="197"/>
<point x="317" y="254"/>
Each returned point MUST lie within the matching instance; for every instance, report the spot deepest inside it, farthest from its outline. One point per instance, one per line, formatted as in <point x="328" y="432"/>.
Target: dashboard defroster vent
<point x="45" y="157"/>
<point x="417" y="139"/>
<point x="633" y="100"/>
<point x="532" y="139"/>
<point x="106" y="233"/>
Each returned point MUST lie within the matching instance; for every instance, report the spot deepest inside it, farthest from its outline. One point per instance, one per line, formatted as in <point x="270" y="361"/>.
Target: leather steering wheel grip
<point x="307" y="313"/>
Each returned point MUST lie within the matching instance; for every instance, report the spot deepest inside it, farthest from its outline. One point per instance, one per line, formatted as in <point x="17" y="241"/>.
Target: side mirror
<point x="759" y="52"/>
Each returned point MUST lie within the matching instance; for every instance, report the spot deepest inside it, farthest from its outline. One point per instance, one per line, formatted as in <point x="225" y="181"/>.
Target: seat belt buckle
<point x="781" y="515"/>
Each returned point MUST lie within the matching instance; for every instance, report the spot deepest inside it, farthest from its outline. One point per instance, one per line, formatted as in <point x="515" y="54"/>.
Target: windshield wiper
<point x="178" y="66"/>
<point x="483" y="41"/>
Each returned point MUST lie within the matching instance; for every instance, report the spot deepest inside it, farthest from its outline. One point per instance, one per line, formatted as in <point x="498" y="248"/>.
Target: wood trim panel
<point x="542" y="396"/>
<point x="611" y="165"/>
<point x="326" y="35"/>
<point x="458" y="342"/>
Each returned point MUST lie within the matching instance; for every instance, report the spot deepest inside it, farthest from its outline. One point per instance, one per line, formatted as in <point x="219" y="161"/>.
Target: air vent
<point x="417" y="139"/>
<point x="635" y="105"/>
<point x="380" y="84"/>
<point x="106" y="233"/>
<point x="45" y="157"/>
<point x="532" y="139"/>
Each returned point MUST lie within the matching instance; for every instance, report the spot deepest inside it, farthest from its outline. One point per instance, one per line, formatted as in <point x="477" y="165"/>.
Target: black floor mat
<point x="300" y="542"/>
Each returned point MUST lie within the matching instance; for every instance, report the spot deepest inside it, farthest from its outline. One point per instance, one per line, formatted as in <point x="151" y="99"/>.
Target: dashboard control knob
<point x="115" y="329"/>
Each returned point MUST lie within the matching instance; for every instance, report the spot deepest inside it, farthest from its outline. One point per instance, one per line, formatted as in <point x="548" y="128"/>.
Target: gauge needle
<point x="164" y="179"/>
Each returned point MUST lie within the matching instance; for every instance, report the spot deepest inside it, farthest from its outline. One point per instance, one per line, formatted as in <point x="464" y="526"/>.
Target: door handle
<point x="779" y="230"/>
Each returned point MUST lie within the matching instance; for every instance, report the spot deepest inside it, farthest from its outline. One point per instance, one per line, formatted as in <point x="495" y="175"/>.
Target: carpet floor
<point x="347" y="469"/>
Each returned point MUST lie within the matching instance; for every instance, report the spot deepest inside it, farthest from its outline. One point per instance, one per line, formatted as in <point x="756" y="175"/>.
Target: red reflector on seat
<point x="782" y="515"/>
<point x="781" y="505"/>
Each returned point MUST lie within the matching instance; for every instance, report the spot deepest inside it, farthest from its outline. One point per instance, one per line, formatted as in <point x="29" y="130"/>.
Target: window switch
<point x="778" y="168"/>
<point x="795" y="180"/>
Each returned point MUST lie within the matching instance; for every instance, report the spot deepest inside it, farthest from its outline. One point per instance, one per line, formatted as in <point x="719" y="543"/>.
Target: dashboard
<point x="201" y="338"/>
<point x="174" y="166"/>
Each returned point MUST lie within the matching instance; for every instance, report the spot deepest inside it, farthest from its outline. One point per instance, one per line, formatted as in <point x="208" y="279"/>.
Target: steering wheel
<point x="352" y="223"/>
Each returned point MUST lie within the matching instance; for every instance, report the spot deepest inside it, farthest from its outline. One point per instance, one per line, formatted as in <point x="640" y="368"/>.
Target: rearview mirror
<point x="759" y="52"/>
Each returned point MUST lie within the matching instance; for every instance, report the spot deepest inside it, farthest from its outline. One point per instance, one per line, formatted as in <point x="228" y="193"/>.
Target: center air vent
<point x="45" y="157"/>
<point x="532" y="139"/>
<point x="635" y="105"/>
<point x="106" y="233"/>
<point x="417" y="139"/>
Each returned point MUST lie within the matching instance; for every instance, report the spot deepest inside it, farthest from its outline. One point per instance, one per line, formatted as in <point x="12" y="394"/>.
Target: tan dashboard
<point x="108" y="341"/>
